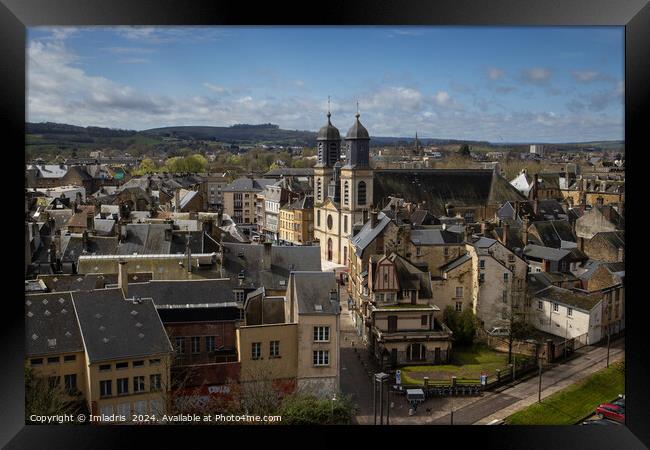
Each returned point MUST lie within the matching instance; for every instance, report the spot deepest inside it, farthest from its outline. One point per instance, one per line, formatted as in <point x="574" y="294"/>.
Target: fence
<point x="465" y="387"/>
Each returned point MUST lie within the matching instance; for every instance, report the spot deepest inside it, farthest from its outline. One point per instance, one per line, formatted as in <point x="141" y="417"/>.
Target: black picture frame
<point x="16" y="15"/>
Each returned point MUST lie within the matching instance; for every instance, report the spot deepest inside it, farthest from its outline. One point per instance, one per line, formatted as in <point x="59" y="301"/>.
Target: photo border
<point x="16" y="15"/>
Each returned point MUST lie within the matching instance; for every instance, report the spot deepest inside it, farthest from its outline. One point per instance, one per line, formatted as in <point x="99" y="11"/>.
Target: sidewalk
<point x="529" y="398"/>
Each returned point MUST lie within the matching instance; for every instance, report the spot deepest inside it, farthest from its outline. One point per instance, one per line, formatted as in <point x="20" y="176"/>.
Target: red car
<point x="611" y="411"/>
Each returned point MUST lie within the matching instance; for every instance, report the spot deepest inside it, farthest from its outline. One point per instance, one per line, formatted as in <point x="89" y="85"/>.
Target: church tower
<point x="329" y="150"/>
<point x="356" y="176"/>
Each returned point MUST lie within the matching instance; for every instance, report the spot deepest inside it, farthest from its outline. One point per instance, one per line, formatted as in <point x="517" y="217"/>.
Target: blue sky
<point x="501" y="84"/>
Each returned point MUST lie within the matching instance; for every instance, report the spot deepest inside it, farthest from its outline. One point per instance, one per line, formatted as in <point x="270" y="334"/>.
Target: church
<point x="345" y="194"/>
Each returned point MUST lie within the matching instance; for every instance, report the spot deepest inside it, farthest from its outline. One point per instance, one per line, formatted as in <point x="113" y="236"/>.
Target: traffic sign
<point x="398" y="376"/>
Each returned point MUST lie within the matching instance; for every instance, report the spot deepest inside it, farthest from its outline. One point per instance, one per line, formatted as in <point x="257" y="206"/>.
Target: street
<point x="357" y="369"/>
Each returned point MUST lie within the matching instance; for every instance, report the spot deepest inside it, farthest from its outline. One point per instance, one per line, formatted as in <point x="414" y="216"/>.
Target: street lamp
<point x="332" y="403"/>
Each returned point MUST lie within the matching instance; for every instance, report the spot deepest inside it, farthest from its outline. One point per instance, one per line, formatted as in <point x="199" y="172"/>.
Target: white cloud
<point x="536" y="75"/>
<point x="442" y="98"/>
<point x="495" y="73"/>
<point x="590" y="76"/>
<point x="163" y="35"/>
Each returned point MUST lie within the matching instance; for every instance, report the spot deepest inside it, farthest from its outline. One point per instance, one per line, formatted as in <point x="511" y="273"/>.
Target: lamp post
<point x="332" y="403"/>
<point x="380" y="381"/>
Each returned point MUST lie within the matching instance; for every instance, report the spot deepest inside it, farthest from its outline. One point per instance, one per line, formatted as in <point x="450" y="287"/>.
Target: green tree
<point x="464" y="151"/>
<point x="462" y="324"/>
<point x="44" y="398"/>
<point x="146" y="166"/>
<point x="311" y="410"/>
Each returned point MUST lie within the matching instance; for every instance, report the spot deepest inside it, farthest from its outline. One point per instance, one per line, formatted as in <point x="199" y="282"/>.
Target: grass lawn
<point x="467" y="365"/>
<point x="568" y="406"/>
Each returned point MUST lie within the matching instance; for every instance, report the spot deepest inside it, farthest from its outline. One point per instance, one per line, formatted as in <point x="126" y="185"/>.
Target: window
<point x="209" y="343"/>
<point x="154" y="362"/>
<point x="36" y="362"/>
<point x="556" y="307"/>
<point x="481" y="264"/>
<point x="180" y="345"/>
<point x="330" y="222"/>
<point x="481" y="277"/>
<point x="512" y="268"/>
<point x="346" y="193"/>
<point x="156" y="406"/>
<point x="505" y="296"/>
<point x="122" y="386"/>
<point x="138" y="384"/>
<point x="459" y="292"/>
<point x="105" y="388"/>
<point x="321" y="357"/>
<point x="418" y="250"/>
<point x="196" y="344"/>
<point x="106" y="410"/>
<point x="256" y="350"/>
<point x="345" y="224"/>
<point x="69" y="358"/>
<point x="424" y="320"/>
<point x="446" y="251"/>
<point x="321" y="334"/>
<point x="122" y="365"/>
<point x="239" y="296"/>
<point x="54" y="381"/>
<point x="155" y="382"/>
<point x="361" y="193"/>
<point x="104" y="367"/>
<point x="124" y="409"/>
<point x="569" y="312"/>
<point x="53" y="360"/>
<point x="459" y="306"/>
<point x="318" y="217"/>
<point x="274" y="349"/>
<point x="138" y="363"/>
<point x="540" y="305"/>
<point x="379" y="297"/>
<point x="70" y="382"/>
<point x="140" y="407"/>
<point x="505" y="276"/>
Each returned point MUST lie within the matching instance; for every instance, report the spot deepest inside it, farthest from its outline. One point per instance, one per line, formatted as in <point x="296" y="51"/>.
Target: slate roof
<point x="114" y="328"/>
<point x="284" y="259"/>
<point x="306" y="202"/>
<point x="104" y="226"/>
<point x="72" y="246"/>
<point x="87" y="282"/>
<point x="573" y="299"/>
<point x="421" y="217"/>
<point x="187" y="198"/>
<point x="79" y="172"/>
<point x="456" y="262"/>
<point x="312" y="291"/>
<point x="50" y="170"/>
<point x="547" y="253"/>
<point x="434" y="236"/>
<point x="328" y="132"/>
<point x="411" y="277"/>
<point x="51" y="316"/>
<point x="614" y="238"/>
<point x="290" y="171"/>
<point x="367" y="234"/>
<point x="145" y="239"/>
<point x="357" y="130"/>
<point x="191" y="293"/>
<point x="437" y="187"/>
<point x="245" y="184"/>
<point x="553" y="232"/>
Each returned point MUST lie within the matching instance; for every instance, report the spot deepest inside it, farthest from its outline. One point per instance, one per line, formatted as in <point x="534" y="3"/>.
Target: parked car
<point x="499" y="331"/>
<point x="611" y="411"/>
<point x="600" y="422"/>
<point x="620" y="401"/>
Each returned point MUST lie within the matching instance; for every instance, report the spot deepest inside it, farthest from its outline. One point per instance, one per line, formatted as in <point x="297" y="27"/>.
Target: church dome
<point x="329" y="132"/>
<point x="357" y="131"/>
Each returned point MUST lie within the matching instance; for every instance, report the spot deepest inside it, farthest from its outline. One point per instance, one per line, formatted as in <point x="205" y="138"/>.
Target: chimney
<point x="177" y="200"/>
<point x="536" y="205"/>
<point x="84" y="240"/>
<point x="535" y="186"/>
<point x="524" y="231"/>
<point x="621" y="254"/>
<point x="515" y="210"/>
<point x="373" y="218"/>
<point x="123" y="278"/>
<point x="506" y="228"/>
<point x="483" y="227"/>
<point x="266" y="257"/>
<point x="188" y="252"/>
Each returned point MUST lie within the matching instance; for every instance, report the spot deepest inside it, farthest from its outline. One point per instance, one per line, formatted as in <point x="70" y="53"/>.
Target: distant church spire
<point x="329" y="113"/>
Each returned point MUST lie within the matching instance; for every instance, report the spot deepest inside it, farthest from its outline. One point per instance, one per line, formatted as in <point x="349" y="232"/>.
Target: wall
<point x="268" y="368"/>
<point x="306" y="346"/>
<point x="95" y="376"/>
<point x="62" y="368"/>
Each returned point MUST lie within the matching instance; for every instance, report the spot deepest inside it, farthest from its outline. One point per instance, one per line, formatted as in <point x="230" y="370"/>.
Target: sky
<point x="498" y="84"/>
